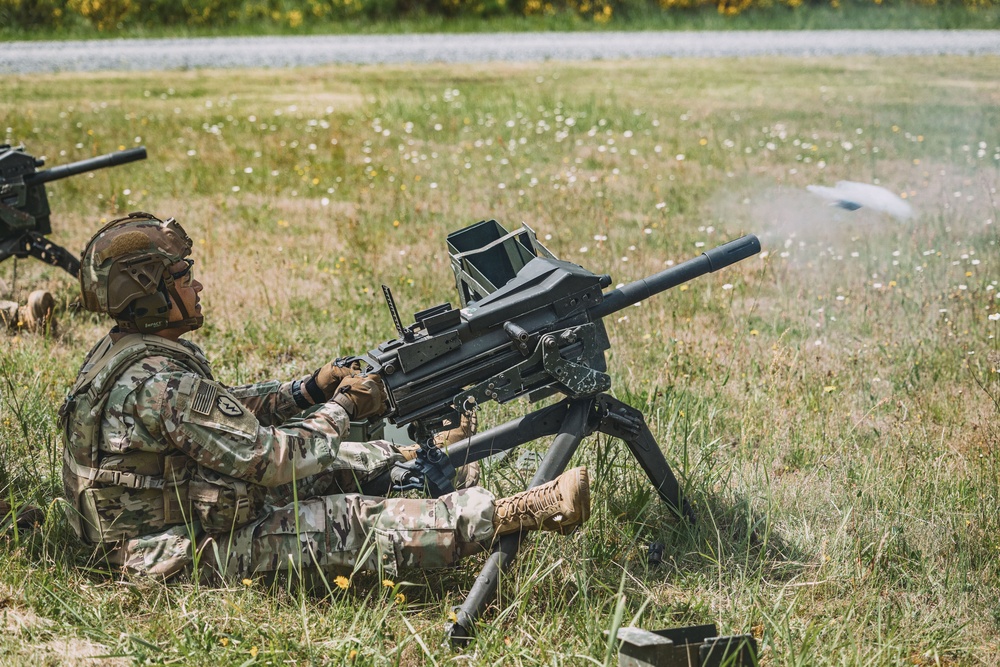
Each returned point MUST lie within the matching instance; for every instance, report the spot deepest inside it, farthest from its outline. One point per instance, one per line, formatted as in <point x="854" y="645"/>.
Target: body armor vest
<point x="105" y="490"/>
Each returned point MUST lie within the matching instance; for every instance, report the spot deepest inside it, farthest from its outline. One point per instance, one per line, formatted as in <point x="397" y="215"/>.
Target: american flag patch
<point x="204" y="398"/>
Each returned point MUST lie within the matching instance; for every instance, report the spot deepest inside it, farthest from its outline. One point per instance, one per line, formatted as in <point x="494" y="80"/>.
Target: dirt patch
<point x="71" y="651"/>
<point x="15" y="621"/>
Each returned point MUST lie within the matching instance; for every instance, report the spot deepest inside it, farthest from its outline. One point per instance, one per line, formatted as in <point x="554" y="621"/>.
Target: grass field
<point x="831" y="406"/>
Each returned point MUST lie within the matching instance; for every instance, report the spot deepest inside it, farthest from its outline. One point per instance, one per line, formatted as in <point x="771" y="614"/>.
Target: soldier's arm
<point x="274" y="402"/>
<point x="206" y="421"/>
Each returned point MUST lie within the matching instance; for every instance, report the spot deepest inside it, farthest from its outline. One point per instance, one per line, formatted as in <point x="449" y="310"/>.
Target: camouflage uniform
<point x="160" y="457"/>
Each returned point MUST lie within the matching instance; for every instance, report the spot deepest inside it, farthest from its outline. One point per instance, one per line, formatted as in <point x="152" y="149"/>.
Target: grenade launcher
<point x="24" y="205"/>
<point x="530" y="325"/>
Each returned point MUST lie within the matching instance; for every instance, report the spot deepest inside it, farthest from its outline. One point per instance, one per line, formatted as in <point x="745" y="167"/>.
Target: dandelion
<point x="829" y="388"/>
<point x="400" y="598"/>
<point x="754" y="332"/>
<point x="342" y="582"/>
<point x="248" y="582"/>
<point x="253" y="651"/>
<point x="388" y="583"/>
<point x="224" y="641"/>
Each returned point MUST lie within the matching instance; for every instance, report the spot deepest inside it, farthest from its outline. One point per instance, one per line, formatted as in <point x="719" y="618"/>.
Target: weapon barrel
<point x="90" y="164"/>
<point x="712" y="260"/>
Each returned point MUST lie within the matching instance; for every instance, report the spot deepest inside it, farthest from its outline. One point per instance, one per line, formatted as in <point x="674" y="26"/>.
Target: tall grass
<point x="831" y="407"/>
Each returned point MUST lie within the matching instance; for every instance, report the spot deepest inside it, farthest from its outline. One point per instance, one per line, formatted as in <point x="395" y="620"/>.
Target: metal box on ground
<point x="694" y="646"/>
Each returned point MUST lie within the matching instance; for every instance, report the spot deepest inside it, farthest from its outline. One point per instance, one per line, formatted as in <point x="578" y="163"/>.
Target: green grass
<point x="853" y="17"/>
<point x="831" y="407"/>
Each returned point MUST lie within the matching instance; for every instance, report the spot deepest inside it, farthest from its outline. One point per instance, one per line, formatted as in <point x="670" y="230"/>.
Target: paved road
<point x="231" y="52"/>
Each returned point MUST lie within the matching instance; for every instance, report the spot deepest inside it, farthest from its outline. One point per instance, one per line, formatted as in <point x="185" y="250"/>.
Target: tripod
<point x="570" y="421"/>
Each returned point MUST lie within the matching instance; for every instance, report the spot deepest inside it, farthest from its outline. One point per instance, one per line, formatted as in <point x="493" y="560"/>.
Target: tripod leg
<point x="538" y="424"/>
<point x="626" y="423"/>
<point x="39" y="247"/>
<point x="574" y="429"/>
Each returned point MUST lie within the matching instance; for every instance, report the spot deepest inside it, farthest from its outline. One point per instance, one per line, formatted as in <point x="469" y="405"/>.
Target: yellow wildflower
<point x="342" y="582"/>
<point x="388" y="583"/>
<point x="400" y="598"/>
<point x="248" y="582"/>
<point x="253" y="651"/>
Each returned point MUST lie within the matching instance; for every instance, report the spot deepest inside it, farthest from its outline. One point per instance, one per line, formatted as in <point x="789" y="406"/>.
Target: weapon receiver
<point x="24" y="205"/>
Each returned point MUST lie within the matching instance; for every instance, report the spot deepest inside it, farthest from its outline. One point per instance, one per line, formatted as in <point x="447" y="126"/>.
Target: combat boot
<point x="9" y="314"/>
<point x="39" y="314"/>
<point x="560" y="505"/>
<point x="468" y="475"/>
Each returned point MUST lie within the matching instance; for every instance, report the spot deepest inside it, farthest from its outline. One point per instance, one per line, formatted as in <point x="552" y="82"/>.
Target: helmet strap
<point x="150" y="313"/>
<point x="188" y="321"/>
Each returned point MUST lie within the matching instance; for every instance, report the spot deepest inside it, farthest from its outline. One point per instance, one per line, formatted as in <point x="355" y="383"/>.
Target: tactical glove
<point x="326" y="379"/>
<point x="362" y="396"/>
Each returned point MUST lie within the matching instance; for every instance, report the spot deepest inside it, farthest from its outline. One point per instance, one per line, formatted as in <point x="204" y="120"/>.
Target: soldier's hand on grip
<point x="329" y="377"/>
<point x="362" y="396"/>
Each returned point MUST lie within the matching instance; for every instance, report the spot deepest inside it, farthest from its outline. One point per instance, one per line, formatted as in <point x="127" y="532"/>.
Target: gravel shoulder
<point x="278" y="52"/>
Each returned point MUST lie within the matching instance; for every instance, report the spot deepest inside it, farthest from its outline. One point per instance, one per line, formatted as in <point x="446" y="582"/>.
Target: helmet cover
<point x="127" y="263"/>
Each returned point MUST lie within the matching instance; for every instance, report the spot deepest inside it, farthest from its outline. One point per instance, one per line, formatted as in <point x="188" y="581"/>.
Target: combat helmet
<point x="125" y="273"/>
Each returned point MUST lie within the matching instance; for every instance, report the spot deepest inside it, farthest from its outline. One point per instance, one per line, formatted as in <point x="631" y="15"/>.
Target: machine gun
<point x="530" y="325"/>
<point x="24" y="205"/>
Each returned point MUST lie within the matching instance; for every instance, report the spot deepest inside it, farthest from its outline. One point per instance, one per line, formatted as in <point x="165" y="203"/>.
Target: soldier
<point x="164" y="466"/>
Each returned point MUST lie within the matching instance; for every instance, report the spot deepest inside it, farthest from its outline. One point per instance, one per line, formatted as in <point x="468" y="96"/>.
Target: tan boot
<point x="39" y="314"/>
<point x="468" y="475"/>
<point x="9" y="315"/>
<point x="560" y="505"/>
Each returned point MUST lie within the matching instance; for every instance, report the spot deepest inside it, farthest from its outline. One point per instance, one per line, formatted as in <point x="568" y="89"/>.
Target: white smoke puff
<point x="852" y="196"/>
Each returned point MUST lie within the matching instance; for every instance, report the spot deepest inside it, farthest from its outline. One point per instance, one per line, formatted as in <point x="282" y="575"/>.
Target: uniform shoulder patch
<point x="227" y="406"/>
<point x="204" y="398"/>
<point x="212" y="406"/>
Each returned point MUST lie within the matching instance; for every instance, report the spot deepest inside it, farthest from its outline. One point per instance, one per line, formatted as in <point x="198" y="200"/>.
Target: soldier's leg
<point x="341" y="532"/>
